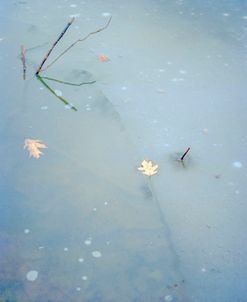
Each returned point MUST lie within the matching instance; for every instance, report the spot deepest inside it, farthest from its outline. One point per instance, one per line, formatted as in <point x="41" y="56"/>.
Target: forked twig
<point x="23" y="59"/>
<point x="41" y="79"/>
<point x="73" y="44"/>
<point x="50" y="50"/>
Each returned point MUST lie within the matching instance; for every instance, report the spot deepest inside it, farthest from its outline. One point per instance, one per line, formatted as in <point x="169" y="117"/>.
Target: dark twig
<point x="23" y="59"/>
<point x="185" y="153"/>
<point x="68" y="83"/>
<point x="50" y="50"/>
<point x="79" y="40"/>
<point x="53" y="92"/>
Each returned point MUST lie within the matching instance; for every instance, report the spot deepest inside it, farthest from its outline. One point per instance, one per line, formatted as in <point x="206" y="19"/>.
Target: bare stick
<point x="23" y="59"/>
<point x="50" y="50"/>
<point x="183" y="156"/>
<point x="79" y="40"/>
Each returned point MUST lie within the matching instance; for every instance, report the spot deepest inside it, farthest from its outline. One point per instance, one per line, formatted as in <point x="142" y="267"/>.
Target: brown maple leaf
<point x="33" y="146"/>
<point x="148" y="168"/>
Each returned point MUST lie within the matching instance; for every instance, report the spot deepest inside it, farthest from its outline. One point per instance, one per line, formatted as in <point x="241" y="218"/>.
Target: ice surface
<point x="176" y="78"/>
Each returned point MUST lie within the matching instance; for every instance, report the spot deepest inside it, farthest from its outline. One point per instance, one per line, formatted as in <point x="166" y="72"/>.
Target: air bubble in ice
<point x="32" y="275"/>
<point x="58" y="92"/>
<point x="237" y="164"/>
<point x="96" y="254"/>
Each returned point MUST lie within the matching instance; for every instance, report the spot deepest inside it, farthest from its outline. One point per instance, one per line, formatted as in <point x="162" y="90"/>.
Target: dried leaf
<point x="33" y="146"/>
<point x="103" y="58"/>
<point x="148" y="168"/>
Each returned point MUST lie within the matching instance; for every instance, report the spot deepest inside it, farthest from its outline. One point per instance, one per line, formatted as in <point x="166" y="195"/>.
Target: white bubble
<point x="66" y="249"/>
<point x="78" y="289"/>
<point x="88" y="242"/>
<point x="168" y="298"/>
<point x="96" y="254"/>
<point x="68" y="106"/>
<point x="160" y="90"/>
<point x="84" y="278"/>
<point x="32" y="275"/>
<point x="226" y="14"/>
<point x="203" y="270"/>
<point x="26" y="231"/>
<point x="106" y="14"/>
<point x="74" y="15"/>
<point x="44" y="107"/>
<point x="94" y="209"/>
<point x="81" y="260"/>
<point x="58" y="92"/>
<point x="105" y="203"/>
<point x="237" y="164"/>
<point x="73" y="5"/>
<point x="182" y="71"/>
<point x="124" y="88"/>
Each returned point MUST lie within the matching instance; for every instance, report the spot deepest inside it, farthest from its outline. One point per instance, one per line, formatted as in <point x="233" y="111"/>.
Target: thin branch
<point x="23" y="59"/>
<point x="53" y="92"/>
<point x="79" y="40"/>
<point x="50" y="50"/>
<point x="68" y="83"/>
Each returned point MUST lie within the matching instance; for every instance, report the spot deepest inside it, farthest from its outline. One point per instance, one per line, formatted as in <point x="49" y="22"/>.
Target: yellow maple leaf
<point x="33" y="146"/>
<point x="148" y="168"/>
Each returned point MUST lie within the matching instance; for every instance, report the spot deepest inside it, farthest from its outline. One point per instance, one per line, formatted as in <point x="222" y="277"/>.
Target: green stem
<point x="68" y="83"/>
<point x="53" y="92"/>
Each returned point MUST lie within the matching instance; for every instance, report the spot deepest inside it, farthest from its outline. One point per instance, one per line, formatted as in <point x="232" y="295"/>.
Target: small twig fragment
<point x="185" y="153"/>
<point x="23" y="59"/>
<point x="79" y="40"/>
<point x="54" y="44"/>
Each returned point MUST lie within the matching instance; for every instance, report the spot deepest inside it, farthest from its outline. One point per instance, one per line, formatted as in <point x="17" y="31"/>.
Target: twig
<point x="68" y="83"/>
<point x="73" y="44"/>
<point x="53" y="92"/>
<point x="50" y="50"/>
<point x="183" y="156"/>
<point x="23" y="59"/>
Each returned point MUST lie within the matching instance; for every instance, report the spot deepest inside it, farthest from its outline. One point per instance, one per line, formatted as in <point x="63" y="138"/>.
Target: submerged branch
<point x="54" y="44"/>
<point x="53" y="92"/>
<point x="68" y="83"/>
<point x="73" y="44"/>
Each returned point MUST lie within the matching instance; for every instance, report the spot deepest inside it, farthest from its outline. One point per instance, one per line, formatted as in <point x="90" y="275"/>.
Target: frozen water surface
<point x="175" y="78"/>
